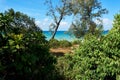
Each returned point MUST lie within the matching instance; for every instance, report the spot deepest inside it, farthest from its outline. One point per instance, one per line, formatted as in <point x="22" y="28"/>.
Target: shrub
<point x="111" y="47"/>
<point x="65" y="43"/>
<point x="95" y="59"/>
<point x="76" y="42"/>
<point x="24" y="55"/>
<point x="64" y="67"/>
<point x="54" y="43"/>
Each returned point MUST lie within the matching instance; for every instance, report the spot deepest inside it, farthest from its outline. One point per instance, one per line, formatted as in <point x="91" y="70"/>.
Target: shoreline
<point x="63" y="35"/>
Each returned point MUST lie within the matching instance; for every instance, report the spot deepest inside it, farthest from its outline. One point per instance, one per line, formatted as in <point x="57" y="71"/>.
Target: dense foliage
<point x="54" y="43"/>
<point x="95" y="59"/>
<point x="23" y="49"/>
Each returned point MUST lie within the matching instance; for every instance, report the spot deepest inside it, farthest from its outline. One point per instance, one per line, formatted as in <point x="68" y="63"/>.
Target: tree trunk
<point x="54" y="32"/>
<point x="56" y="28"/>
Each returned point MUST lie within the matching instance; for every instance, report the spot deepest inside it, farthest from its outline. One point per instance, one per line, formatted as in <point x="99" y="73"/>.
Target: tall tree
<point x="86" y="12"/>
<point x="58" y="13"/>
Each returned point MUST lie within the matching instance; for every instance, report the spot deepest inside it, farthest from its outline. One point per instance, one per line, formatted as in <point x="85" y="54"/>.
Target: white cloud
<point x="107" y="23"/>
<point x="38" y="23"/>
<point x="64" y="25"/>
<point x="97" y="21"/>
<point x="44" y="24"/>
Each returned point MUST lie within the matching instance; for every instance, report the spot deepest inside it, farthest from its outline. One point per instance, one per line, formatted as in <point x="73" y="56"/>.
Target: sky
<point x="38" y="10"/>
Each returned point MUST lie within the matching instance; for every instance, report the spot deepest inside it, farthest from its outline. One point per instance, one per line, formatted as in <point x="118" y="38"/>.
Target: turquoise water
<point x="62" y="35"/>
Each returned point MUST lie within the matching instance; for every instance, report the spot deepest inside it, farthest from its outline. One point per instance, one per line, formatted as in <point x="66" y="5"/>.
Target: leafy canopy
<point x="86" y="13"/>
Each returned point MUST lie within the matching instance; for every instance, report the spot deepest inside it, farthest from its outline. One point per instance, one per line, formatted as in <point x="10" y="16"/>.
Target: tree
<point x="23" y="53"/>
<point x="58" y="13"/>
<point x="86" y="11"/>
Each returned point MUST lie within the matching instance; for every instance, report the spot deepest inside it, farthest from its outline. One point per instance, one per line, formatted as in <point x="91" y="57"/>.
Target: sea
<point x="64" y="35"/>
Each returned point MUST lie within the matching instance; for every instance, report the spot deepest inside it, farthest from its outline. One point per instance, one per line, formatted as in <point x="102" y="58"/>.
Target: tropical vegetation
<point x="25" y="52"/>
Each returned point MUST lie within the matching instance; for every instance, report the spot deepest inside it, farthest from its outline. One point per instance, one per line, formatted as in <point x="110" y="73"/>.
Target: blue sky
<point x="37" y="10"/>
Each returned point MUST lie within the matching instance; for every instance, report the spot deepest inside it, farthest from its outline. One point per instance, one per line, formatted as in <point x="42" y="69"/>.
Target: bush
<point x="111" y="47"/>
<point x="65" y="43"/>
<point x="24" y="55"/>
<point x="54" y="43"/>
<point x="63" y="67"/>
<point x="76" y="42"/>
<point x="82" y="60"/>
<point x="95" y="59"/>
